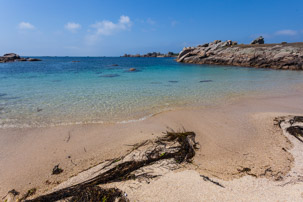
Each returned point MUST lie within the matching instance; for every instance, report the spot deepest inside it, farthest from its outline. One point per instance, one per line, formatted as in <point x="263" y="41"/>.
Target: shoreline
<point x="243" y="125"/>
<point x="218" y="101"/>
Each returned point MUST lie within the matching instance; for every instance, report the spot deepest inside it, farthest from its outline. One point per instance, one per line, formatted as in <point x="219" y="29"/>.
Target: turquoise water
<point x="58" y="91"/>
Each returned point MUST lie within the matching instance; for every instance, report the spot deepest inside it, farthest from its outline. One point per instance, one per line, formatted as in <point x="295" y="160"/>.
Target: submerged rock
<point x="33" y="59"/>
<point x="205" y="81"/>
<point x="132" y="69"/>
<point x="110" y="75"/>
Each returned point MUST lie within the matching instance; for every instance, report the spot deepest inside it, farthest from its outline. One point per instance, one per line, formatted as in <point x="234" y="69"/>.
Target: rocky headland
<point x="153" y="54"/>
<point x="12" y="57"/>
<point x="257" y="54"/>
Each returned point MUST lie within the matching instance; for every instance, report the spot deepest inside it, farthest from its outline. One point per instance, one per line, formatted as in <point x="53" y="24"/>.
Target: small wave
<point x="44" y="125"/>
<point x="10" y="123"/>
<point x="135" y="120"/>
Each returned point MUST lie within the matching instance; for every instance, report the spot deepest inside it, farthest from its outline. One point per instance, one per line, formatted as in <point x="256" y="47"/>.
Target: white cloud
<point x="287" y="32"/>
<point x="25" y="25"/>
<point x="73" y="27"/>
<point x="106" y="28"/>
<point x="124" y="19"/>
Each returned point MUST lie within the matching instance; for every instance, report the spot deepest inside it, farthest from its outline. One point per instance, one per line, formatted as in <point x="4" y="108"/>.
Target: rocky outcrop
<point x="152" y="55"/>
<point x="275" y="56"/>
<point x="259" y="40"/>
<point x="12" y="57"/>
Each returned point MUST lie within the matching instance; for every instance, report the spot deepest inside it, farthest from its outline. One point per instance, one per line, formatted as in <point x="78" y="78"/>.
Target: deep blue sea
<point x="58" y="91"/>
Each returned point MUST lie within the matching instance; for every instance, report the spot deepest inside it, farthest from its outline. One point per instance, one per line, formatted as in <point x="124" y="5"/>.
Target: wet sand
<point x="232" y="137"/>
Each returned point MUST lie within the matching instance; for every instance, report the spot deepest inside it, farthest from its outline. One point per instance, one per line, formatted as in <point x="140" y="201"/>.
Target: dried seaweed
<point x="296" y="131"/>
<point x="29" y="193"/>
<point x="89" y="190"/>
<point x="57" y="170"/>
<point x="95" y="193"/>
<point x="298" y="119"/>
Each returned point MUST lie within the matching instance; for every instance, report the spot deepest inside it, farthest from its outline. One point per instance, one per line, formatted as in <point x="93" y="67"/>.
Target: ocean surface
<point x="57" y="91"/>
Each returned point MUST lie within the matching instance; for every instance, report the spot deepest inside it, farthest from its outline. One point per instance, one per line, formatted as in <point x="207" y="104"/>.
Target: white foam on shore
<point x="135" y="120"/>
<point x="7" y="126"/>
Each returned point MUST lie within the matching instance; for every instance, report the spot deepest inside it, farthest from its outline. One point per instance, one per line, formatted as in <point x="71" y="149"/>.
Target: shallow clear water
<point x="59" y="91"/>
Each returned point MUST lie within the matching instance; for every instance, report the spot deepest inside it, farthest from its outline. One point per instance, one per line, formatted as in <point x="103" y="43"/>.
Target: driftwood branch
<point x="179" y="146"/>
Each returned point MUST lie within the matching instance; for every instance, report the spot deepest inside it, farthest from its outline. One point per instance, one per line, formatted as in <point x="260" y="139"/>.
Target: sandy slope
<point x="232" y="137"/>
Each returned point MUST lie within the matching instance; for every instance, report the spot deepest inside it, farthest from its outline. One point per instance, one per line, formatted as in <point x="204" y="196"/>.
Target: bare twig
<point x="205" y="178"/>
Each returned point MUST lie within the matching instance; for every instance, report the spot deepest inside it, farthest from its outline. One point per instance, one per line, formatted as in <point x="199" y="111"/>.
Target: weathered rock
<point x="184" y="56"/>
<point x="259" y="40"/>
<point x="33" y="59"/>
<point x="281" y="56"/>
<point x="217" y="41"/>
<point x="153" y="54"/>
<point x="184" y="53"/>
<point x="204" y="45"/>
<point x="9" y="57"/>
<point x="12" y="57"/>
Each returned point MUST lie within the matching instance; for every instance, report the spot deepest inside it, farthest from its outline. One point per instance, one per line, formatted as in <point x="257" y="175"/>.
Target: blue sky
<point x="115" y="27"/>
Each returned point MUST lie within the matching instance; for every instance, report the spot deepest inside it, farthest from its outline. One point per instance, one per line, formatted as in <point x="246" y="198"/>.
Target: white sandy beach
<point x="232" y="136"/>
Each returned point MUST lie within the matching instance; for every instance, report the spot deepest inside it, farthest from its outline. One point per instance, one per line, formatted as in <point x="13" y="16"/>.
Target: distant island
<point x="284" y="56"/>
<point x="153" y="55"/>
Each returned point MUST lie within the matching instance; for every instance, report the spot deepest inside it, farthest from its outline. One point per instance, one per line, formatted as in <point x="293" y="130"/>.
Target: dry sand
<point x="232" y="137"/>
